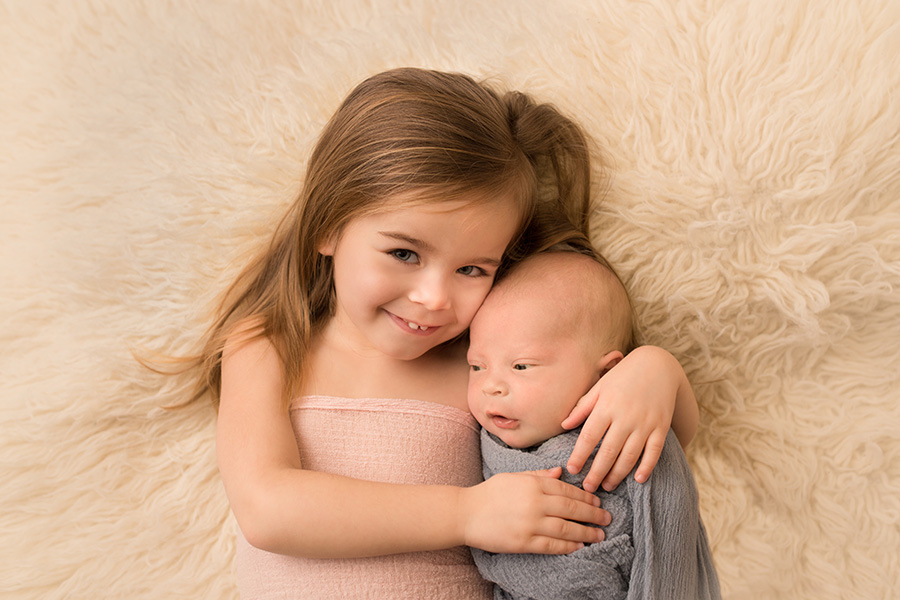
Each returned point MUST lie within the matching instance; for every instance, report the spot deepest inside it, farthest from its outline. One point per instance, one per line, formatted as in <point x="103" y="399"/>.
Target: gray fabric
<point x="655" y="547"/>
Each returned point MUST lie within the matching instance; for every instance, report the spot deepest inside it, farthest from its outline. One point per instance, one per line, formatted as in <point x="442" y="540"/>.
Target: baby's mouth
<point x="504" y="422"/>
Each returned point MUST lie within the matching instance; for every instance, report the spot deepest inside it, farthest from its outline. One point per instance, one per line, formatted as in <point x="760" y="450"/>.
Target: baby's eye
<point x="472" y="271"/>
<point x="520" y="367"/>
<point x="407" y="256"/>
<point x="475" y="367"/>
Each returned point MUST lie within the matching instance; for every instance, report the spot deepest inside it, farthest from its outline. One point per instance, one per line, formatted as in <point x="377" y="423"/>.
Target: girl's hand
<point x="530" y="512"/>
<point x="631" y="409"/>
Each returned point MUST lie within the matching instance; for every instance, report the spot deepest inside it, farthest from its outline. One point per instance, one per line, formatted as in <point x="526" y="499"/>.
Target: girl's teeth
<point x="416" y="326"/>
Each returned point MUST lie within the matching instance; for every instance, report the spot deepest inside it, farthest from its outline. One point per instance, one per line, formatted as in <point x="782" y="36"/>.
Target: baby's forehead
<point x="558" y="283"/>
<point x="553" y="281"/>
<point x="561" y="266"/>
<point x="541" y="309"/>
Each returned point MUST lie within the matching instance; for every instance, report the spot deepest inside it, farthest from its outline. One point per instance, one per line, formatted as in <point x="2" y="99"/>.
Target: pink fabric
<point x="397" y="441"/>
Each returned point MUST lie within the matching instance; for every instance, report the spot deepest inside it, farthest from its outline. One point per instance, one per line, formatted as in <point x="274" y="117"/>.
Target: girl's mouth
<point x="412" y="326"/>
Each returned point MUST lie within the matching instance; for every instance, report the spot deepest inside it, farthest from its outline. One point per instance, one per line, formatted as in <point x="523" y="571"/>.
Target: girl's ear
<point x="327" y="246"/>
<point x="608" y="361"/>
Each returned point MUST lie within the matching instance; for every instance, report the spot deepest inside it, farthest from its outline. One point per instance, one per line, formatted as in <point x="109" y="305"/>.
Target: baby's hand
<point x="530" y="512"/>
<point x="631" y="409"/>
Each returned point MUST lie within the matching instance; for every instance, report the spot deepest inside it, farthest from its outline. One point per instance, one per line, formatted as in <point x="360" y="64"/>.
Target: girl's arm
<point x="631" y="409"/>
<point x="282" y="508"/>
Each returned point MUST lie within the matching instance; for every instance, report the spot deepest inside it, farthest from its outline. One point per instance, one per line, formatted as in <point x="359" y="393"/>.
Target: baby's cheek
<point x="472" y="395"/>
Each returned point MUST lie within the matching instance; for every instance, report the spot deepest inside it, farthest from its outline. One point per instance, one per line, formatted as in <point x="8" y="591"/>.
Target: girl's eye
<point x="472" y="271"/>
<point x="407" y="256"/>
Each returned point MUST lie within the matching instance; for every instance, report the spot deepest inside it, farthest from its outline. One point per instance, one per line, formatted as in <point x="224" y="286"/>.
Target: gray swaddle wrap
<point x="655" y="547"/>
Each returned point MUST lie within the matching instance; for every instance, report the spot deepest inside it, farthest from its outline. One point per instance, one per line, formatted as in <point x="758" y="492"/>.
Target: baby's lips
<point x="504" y="422"/>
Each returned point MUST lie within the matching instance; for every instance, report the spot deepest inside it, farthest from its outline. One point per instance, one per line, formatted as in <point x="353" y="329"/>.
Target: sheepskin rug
<point x="751" y="201"/>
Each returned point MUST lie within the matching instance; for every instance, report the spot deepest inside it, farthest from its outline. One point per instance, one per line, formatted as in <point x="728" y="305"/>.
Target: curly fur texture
<point x="752" y="206"/>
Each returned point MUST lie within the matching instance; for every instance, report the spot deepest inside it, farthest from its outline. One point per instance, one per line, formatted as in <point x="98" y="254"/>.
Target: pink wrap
<point x="397" y="441"/>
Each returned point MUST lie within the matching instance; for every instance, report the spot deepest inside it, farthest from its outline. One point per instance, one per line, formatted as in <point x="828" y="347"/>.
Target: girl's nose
<point x="432" y="291"/>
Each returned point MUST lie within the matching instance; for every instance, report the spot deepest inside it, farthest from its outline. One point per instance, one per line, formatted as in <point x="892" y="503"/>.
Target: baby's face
<point x="526" y="372"/>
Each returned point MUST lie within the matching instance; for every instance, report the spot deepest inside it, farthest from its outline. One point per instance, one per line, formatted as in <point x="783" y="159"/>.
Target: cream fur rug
<point x="754" y="209"/>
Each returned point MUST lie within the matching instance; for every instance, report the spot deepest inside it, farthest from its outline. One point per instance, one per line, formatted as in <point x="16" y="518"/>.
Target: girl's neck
<point x="337" y="369"/>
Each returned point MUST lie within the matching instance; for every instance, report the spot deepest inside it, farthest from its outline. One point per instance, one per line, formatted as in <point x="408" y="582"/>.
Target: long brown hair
<point x="440" y="135"/>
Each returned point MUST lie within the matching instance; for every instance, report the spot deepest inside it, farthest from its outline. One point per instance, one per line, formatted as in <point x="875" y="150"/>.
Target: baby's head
<point x="545" y="334"/>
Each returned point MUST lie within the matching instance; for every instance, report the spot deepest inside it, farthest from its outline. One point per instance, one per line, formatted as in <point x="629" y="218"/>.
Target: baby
<point x="545" y="334"/>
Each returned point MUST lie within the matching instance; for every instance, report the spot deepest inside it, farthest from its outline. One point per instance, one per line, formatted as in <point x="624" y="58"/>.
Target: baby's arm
<point x="283" y="508"/>
<point x="631" y="408"/>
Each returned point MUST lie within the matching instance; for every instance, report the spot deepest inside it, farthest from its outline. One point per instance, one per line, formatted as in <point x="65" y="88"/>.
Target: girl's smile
<point x="412" y="327"/>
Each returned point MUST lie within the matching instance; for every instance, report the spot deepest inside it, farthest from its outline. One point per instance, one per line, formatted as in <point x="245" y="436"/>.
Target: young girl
<point x="338" y="367"/>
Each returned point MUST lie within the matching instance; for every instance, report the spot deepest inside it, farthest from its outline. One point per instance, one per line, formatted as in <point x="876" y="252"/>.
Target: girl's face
<point x="412" y="277"/>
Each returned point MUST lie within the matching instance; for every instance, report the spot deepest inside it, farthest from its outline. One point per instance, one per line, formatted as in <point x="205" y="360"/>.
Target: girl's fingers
<point x="567" y="508"/>
<point x="568" y="521"/>
<point x="521" y="512"/>
<point x="551" y="545"/>
<point x="625" y="461"/>
<point x="593" y="431"/>
<point x="555" y="489"/>
<point x="652" y="452"/>
<point x="606" y="457"/>
<point x="570" y="513"/>
<point x="581" y="411"/>
<point x="553" y="472"/>
<point x="571" y="533"/>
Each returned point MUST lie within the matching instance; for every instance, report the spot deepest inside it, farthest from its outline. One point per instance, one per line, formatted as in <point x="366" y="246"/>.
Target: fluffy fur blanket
<point x="752" y="204"/>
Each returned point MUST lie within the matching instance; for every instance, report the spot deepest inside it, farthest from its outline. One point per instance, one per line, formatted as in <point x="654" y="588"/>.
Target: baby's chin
<point x="517" y="441"/>
<point x="522" y="440"/>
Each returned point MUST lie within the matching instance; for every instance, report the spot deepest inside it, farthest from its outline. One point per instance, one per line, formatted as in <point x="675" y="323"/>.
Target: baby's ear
<point x="608" y="361"/>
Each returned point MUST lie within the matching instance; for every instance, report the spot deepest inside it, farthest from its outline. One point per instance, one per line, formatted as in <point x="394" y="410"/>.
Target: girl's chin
<point x="414" y="351"/>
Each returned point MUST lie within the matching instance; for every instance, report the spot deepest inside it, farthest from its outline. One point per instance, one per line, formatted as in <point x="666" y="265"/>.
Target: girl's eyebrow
<point x="492" y="262"/>
<point x="402" y="237"/>
<point x="417" y="243"/>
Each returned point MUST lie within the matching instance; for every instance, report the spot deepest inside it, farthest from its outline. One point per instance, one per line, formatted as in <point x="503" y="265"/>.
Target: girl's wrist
<point x="685" y="414"/>
<point x="673" y="382"/>
<point x="462" y="502"/>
